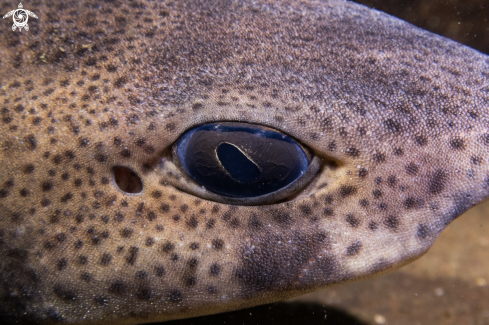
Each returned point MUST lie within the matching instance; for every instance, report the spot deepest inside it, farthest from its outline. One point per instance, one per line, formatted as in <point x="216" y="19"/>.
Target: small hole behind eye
<point x="127" y="181"/>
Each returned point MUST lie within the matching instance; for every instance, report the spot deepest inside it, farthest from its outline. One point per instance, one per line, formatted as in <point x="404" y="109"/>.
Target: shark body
<point x="397" y="116"/>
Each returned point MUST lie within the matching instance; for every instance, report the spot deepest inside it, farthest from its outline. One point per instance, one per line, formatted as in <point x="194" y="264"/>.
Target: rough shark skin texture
<point x="399" y="117"/>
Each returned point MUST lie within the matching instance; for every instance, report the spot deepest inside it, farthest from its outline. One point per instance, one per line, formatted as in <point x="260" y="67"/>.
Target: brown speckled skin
<point x="97" y="84"/>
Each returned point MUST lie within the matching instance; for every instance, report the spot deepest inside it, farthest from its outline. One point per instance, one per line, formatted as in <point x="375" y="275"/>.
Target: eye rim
<point x="186" y="183"/>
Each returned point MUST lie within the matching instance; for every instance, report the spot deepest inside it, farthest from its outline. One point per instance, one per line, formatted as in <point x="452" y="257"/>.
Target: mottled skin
<point x="402" y="113"/>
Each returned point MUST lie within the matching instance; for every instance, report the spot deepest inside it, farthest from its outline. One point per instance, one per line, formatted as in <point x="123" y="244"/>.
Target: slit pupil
<point x="237" y="164"/>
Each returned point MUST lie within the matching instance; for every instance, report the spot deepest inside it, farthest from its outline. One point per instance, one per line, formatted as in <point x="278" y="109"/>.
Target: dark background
<point x="465" y="21"/>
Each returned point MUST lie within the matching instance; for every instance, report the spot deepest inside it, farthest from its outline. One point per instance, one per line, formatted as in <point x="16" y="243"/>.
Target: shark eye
<point x="240" y="160"/>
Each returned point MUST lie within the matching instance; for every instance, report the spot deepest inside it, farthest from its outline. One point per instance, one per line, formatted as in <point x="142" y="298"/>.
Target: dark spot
<point x="64" y="293"/>
<point x="184" y="208"/>
<point x="457" y="144"/>
<point x="151" y="216"/>
<point x="412" y="169"/>
<point x="140" y="142"/>
<point x="164" y="207"/>
<point x="194" y="246"/>
<point x="91" y="62"/>
<point x="438" y="181"/>
<point x="476" y="160"/>
<point x="167" y="247"/>
<point x="305" y="209"/>
<point x="372" y="225"/>
<point x="120" y="82"/>
<point x="423" y="231"/>
<point x="141" y="275"/>
<point x="328" y="212"/>
<point x="126" y="153"/>
<point x="217" y="244"/>
<point x="170" y="127"/>
<point x="353" y="249"/>
<point x="159" y="271"/>
<point x="28" y="169"/>
<point x="36" y="120"/>
<point x="383" y="206"/>
<point x="65" y="198"/>
<point x="61" y="237"/>
<point x="215" y="269"/>
<point x="174" y="257"/>
<point x="421" y="140"/>
<point x="192" y="222"/>
<point x="31" y="142"/>
<point x="362" y="172"/>
<point x="352" y="221"/>
<point x="234" y="223"/>
<point x="283" y="219"/>
<point x="193" y="263"/>
<point x="118" y="287"/>
<point x="126" y="232"/>
<point x="391" y="222"/>
<point x="254" y="223"/>
<point x="174" y="296"/>
<point x="210" y="223"/>
<point x="44" y="202"/>
<point x="352" y="152"/>
<point x="62" y="264"/>
<point x="82" y="260"/>
<point x="347" y="190"/>
<point x="413" y="203"/>
<point x="363" y="203"/>
<point x="100" y="300"/>
<point x="332" y="146"/>
<point x="24" y="192"/>
<point x="85" y="277"/>
<point x="379" y="157"/>
<point x="78" y="244"/>
<point x="392" y="125"/>
<point x="19" y="108"/>
<point x="398" y="151"/>
<point x="105" y="259"/>
<point x="392" y="180"/>
<point x="485" y="139"/>
<point x="377" y="193"/>
<point x="197" y="106"/>
<point x="156" y="194"/>
<point x="46" y="186"/>
<point x="328" y="199"/>
<point x="144" y="293"/>
<point x="259" y="270"/>
<point x="100" y="157"/>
